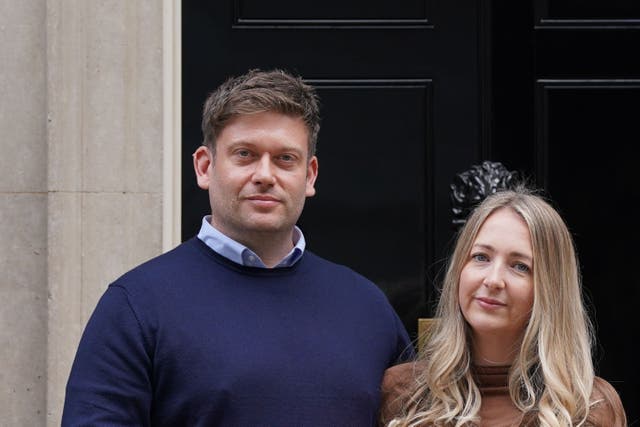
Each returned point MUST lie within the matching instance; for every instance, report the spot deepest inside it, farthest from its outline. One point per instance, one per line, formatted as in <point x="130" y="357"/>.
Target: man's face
<point x="259" y="176"/>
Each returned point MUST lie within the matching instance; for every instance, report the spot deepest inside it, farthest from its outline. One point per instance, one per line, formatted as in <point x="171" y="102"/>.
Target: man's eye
<point x="287" y="157"/>
<point x="243" y="153"/>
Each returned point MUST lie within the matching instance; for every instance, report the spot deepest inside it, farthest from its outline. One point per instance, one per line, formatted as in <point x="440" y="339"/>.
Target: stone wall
<point x="83" y="115"/>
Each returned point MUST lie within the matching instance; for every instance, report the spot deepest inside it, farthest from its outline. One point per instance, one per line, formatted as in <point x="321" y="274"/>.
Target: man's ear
<point x="312" y="174"/>
<point x="202" y="163"/>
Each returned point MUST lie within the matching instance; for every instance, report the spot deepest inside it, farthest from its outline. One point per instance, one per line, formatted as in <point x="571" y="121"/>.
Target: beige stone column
<point x="106" y="139"/>
<point x="89" y="175"/>
<point x="23" y="213"/>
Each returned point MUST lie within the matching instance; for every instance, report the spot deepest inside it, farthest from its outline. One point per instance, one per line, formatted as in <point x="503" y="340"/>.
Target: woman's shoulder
<point x="397" y="385"/>
<point x="606" y="406"/>
<point x="397" y="379"/>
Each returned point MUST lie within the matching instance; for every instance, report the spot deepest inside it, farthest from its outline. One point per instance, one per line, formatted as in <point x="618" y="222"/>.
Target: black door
<point x="566" y="110"/>
<point x="399" y="88"/>
<point x="414" y="92"/>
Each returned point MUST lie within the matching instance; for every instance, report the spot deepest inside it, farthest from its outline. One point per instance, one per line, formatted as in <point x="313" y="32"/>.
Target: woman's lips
<point x="490" y="302"/>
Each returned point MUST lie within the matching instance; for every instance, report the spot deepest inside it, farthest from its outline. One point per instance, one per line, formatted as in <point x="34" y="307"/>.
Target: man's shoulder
<point x="171" y="264"/>
<point x="334" y="268"/>
<point x="342" y="276"/>
<point x="325" y="262"/>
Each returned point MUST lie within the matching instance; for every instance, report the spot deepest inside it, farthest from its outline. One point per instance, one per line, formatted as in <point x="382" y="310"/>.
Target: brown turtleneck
<point x="497" y="409"/>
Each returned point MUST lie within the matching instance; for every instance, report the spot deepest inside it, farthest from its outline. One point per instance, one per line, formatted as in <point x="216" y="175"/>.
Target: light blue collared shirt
<point x="239" y="253"/>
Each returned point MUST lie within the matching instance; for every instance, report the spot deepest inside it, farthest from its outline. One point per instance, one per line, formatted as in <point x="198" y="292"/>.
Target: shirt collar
<point x="240" y="254"/>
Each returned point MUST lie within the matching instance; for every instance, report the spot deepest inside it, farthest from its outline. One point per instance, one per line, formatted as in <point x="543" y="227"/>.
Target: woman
<point x="512" y="344"/>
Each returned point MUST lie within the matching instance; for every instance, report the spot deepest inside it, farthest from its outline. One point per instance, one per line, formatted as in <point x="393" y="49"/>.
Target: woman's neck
<point x="494" y="350"/>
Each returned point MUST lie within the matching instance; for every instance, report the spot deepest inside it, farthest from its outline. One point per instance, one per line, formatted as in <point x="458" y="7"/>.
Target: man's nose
<point x="263" y="174"/>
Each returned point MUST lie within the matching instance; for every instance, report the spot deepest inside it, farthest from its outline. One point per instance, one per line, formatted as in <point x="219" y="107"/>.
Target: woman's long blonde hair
<point x="552" y="375"/>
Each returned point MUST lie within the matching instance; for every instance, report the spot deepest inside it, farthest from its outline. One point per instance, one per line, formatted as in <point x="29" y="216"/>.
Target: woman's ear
<point x="202" y="164"/>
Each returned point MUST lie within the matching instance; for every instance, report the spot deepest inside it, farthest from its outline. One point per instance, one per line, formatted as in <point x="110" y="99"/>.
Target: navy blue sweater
<point x="191" y="338"/>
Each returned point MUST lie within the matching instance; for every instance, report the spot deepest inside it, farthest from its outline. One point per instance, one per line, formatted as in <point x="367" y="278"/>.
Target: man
<point x="241" y="326"/>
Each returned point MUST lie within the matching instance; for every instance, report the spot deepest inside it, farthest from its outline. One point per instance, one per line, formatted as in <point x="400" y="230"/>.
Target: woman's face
<point x="496" y="282"/>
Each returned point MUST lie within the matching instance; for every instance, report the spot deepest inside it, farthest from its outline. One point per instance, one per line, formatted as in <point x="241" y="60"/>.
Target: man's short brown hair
<point x="259" y="91"/>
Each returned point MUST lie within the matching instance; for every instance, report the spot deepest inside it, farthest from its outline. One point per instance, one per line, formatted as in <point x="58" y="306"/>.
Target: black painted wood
<point x="400" y="89"/>
<point x="565" y="102"/>
<point x="415" y="92"/>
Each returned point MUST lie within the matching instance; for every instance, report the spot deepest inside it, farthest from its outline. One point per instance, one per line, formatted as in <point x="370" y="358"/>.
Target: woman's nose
<point x="495" y="276"/>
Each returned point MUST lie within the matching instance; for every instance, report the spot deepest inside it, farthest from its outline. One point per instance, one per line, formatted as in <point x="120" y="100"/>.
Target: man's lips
<point x="263" y="200"/>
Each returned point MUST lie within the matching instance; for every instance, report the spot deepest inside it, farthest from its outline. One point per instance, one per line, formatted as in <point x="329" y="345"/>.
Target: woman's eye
<point x="480" y="257"/>
<point x="523" y="268"/>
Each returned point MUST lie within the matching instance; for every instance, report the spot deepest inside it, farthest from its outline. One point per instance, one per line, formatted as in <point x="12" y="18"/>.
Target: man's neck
<point x="269" y="246"/>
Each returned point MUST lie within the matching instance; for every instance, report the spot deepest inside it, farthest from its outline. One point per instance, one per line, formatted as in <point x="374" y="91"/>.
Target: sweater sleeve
<point x="110" y="380"/>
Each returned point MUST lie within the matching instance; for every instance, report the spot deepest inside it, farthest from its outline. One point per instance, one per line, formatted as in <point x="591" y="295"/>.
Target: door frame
<point x="171" y="123"/>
